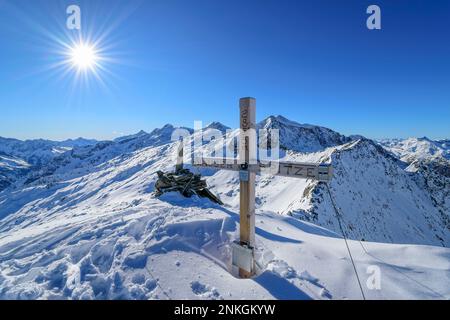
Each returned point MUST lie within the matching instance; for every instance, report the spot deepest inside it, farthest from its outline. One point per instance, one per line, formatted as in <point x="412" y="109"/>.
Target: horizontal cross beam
<point x="315" y="171"/>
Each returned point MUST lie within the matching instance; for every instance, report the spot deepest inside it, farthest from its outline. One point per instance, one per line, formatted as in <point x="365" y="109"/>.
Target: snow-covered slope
<point x="98" y="233"/>
<point x="378" y="199"/>
<point x="11" y="168"/>
<point x="86" y="225"/>
<point x="46" y="156"/>
<point x="430" y="162"/>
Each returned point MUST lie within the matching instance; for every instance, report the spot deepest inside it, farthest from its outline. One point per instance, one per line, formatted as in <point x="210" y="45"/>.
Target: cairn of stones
<point x="184" y="182"/>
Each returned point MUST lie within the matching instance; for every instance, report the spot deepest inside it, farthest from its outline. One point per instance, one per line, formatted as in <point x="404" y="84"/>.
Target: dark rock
<point x="184" y="182"/>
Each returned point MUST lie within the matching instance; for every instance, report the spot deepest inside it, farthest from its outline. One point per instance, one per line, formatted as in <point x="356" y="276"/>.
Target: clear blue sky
<point x="176" y="61"/>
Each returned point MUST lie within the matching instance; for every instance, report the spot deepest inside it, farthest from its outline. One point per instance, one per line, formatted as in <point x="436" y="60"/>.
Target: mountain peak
<point x="278" y="121"/>
<point x="424" y="138"/>
<point x="412" y="149"/>
<point x="131" y="136"/>
<point x="218" y="126"/>
<point x="302" y="137"/>
<point x="78" y="142"/>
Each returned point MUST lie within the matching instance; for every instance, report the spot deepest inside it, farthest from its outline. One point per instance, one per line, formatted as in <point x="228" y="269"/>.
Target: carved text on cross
<point x="319" y="172"/>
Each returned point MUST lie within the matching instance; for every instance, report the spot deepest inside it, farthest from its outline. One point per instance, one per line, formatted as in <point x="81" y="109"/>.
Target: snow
<point x="39" y="152"/>
<point x="87" y="226"/>
<point x="378" y="199"/>
<point x="12" y="163"/>
<point x="180" y="250"/>
<point x="302" y="137"/>
<point x="429" y="162"/>
<point x="417" y="148"/>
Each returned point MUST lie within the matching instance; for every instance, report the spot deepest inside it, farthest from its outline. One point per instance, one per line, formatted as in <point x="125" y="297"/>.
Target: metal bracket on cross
<point x="248" y="167"/>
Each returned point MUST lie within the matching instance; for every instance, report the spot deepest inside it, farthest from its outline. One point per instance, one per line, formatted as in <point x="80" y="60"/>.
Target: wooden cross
<point x="248" y="167"/>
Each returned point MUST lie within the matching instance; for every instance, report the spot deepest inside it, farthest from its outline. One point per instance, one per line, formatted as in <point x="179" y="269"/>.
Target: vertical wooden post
<point x="247" y="108"/>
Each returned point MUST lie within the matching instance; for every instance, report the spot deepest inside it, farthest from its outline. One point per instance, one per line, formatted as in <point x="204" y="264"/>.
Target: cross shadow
<point x="176" y="199"/>
<point x="280" y="288"/>
<point x="274" y="237"/>
<point x="312" y="229"/>
<point x="263" y="233"/>
<point x="403" y="271"/>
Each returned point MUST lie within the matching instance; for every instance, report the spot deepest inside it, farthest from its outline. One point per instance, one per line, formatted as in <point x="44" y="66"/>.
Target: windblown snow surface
<point x="87" y="226"/>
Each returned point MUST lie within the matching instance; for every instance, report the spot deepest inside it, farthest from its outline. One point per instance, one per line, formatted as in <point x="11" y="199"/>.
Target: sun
<point x="86" y="61"/>
<point x="83" y="56"/>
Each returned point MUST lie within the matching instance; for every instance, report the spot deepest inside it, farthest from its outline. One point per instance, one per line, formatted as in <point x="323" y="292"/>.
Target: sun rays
<point x="83" y="56"/>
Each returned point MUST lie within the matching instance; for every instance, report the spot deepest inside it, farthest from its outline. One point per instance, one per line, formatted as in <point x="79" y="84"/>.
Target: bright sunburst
<point x="84" y="60"/>
<point x="84" y="56"/>
<point x="81" y="61"/>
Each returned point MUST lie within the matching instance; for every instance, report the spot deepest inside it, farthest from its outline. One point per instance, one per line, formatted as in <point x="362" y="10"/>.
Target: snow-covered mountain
<point x="86" y="225"/>
<point x="302" y="137"/>
<point x="11" y="168"/>
<point x="157" y="137"/>
<point x="218" y="126"/>
<point x="412" y="149"/>
<point x="18" y="158"/>
<point x="38" y="152"/>
<point x="430" y="162"/>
